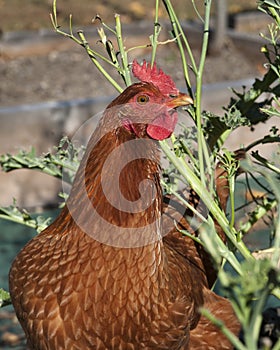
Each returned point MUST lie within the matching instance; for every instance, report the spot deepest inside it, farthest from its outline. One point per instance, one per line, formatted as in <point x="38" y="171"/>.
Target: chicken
<point x="112" y="271"/>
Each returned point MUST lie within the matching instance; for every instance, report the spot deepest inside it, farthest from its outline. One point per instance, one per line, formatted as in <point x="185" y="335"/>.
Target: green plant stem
<point x="190" y="155"/>
<point x="154" y="39"/>
<point x="181" y="39"/>
<point x="276" y="255"/>
<point x="93" y="58"/>
<point x="203" y="154"/>
<point x="196" y="11"/>
<point x="263" y="162"/>
<point x="123" y="53"/>
<point x="83" y="42"/>
<point x="223" y="137"/>
<point x="274" y="184"/>
<point x="28" y="223"/>
<point x="66" y="165"/>
<point x="251" y="334"/>
<point x="175" y="21"/>
<point x="40" y="164"/>
<point x="259" y="213"/>
<point x="265" y="140"/>
<point x="219" y="324"/>
<point x="183" y="201"/>
<point x="207" y="198"/>
<point x="231" y="181"/>
<point x="277" y="345"/>
<point x="218" y="250"/>
<point x="275" y="15"/>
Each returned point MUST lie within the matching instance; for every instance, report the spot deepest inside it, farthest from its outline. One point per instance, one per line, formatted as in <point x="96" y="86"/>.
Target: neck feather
<point x="118" y="181"/>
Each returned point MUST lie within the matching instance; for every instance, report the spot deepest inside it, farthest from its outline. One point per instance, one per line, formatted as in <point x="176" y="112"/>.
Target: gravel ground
<point x="69" y="74"/>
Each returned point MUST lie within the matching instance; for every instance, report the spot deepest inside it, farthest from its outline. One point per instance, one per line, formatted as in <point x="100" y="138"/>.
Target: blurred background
<point x="49" y="87"/>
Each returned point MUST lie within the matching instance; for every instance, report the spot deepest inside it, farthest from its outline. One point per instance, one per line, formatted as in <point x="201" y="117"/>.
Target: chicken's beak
<point x="179" y="101"/>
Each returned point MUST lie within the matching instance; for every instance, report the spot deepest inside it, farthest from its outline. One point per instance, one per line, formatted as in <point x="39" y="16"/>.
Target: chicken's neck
<point x="117" y="190"/>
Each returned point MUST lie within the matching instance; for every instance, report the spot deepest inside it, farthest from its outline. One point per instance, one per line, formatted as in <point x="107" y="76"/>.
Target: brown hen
<point x="112" y="272"/>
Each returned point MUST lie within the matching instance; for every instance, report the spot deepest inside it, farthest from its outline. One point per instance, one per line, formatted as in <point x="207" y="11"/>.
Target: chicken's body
<point x="83" y="285"/>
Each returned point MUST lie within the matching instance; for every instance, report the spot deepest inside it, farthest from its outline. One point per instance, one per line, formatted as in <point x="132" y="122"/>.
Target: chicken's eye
<point x="143" y="99"/>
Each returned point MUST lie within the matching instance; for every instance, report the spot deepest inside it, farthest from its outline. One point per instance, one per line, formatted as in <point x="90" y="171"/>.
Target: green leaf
<point x="4" y="298"/>
<point x="22" y="216"/>
<point x="63" y="162"/>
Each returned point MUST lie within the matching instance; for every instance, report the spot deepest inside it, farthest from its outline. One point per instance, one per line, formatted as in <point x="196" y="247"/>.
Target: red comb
<point x="157" y="77"/>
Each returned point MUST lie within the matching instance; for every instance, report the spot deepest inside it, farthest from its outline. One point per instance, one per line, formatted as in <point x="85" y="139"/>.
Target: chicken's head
<point x="149" y="107"/>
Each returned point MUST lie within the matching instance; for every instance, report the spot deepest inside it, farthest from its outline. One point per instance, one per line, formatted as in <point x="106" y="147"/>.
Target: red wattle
<point x="162" y="127"/>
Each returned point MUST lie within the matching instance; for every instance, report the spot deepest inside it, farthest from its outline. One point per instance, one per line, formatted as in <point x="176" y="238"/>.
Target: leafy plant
<point x="4" y="298"/>
<point x="63" y="162"/>
<point x="248" y="107"/>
